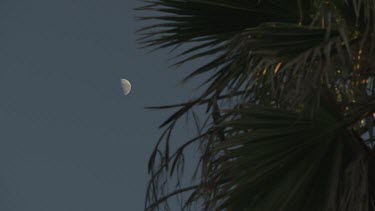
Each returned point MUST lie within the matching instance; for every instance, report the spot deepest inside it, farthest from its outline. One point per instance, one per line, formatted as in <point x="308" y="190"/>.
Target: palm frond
<point x="274" y="159"/>
<point x="283" y="57"/>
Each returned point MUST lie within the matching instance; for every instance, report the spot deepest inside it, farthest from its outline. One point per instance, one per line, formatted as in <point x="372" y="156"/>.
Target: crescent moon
<point x="126" y="86"/>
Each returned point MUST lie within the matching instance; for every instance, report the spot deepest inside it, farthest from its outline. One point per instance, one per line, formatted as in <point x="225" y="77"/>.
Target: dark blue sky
<point x="69" y="139"/>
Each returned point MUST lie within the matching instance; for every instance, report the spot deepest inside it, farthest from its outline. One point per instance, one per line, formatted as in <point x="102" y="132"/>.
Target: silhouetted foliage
<point x="290" y="104"/>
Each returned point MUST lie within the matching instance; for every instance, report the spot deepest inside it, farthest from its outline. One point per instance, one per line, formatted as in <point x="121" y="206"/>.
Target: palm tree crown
<point x="290" y="104"/>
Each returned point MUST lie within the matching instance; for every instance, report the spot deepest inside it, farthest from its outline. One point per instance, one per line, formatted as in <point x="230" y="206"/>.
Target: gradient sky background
<point x="69" y="139"/>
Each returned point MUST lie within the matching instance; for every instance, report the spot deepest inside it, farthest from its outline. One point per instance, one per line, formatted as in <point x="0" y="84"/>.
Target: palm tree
<point x="289" y="98"/>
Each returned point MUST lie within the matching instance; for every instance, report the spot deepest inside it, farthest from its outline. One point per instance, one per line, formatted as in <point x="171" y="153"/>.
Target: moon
<point x="126" y="86"/>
